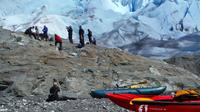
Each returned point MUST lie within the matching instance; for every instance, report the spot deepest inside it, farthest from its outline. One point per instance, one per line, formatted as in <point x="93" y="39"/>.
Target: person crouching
<point x="58" y="39"/>
<point x="53" y="96"/>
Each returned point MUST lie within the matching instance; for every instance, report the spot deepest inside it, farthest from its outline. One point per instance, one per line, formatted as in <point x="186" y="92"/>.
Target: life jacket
<point x="188" y="92"/>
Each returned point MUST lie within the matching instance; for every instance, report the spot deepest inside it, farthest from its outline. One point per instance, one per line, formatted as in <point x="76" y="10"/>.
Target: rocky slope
<point x="35" y="104"/>
<point x="28" y="67"/>
<point x="188" y="62"/>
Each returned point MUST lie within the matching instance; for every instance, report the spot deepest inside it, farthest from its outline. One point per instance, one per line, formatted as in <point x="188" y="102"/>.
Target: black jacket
<point x="81" y="32"/>
<point x="70" y="30"/>
<point x="54" y="90"/>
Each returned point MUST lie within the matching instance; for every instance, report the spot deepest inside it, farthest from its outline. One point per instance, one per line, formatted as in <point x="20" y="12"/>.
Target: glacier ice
<point x="158" y="2"/>
<point x="122" y="21"/>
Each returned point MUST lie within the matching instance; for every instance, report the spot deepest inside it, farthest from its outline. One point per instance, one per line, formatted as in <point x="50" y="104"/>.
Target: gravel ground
<point x="35" y="104"/>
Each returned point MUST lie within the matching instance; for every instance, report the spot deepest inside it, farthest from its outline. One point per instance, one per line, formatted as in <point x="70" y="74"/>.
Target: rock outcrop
<point x="28" y="67"/>
<point x="188" y="62"/>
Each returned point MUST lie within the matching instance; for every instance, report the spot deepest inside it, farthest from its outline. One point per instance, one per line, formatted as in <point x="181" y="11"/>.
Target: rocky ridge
<point x="188" y="62"/>
<point x="28" y="67"/>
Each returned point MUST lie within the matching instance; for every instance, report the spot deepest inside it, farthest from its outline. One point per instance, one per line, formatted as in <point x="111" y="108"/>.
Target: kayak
<point x="125" y="100"/>
<point x="154" y="103"/>
<point x="166" y="106"/>
<point x="146" y="91"/>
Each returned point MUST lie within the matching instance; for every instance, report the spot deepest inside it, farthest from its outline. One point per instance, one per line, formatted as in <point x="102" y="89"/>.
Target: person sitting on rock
<point x="29" y="32"/>
<point x="54" y="92"/>
<point x="58" y="39"/>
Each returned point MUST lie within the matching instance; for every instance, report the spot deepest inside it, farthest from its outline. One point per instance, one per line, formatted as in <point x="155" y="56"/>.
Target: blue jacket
<point x="45" y="30"/>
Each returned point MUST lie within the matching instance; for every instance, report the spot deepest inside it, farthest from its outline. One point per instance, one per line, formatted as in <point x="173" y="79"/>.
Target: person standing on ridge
<point x="94" y="41"/>
<point x="70" y="33"/>
<point x="90" y="36"/>
<point x="45" y="32"/>
<point x="58" y="39"/>
<point x="81" y="36"/>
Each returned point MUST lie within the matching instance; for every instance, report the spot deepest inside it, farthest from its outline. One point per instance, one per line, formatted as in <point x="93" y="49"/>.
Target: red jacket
<point x="58" y="38"/>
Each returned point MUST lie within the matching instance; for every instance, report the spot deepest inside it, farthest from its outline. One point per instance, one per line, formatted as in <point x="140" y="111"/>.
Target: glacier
<point x="160" y="19"/>
<point x="17" y="15"/>
<point x="98" y="15"/>
<point x="115" y="23"/>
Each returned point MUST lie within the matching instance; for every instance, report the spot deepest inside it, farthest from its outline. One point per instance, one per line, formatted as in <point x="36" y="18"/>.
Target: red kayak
<point x="124" y="100"/>
<point x="166" y="106"/>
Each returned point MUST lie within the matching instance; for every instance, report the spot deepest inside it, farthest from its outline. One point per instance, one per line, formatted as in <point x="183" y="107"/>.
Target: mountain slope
<point x="29" y="66"/>
<point x="115" y="23"/>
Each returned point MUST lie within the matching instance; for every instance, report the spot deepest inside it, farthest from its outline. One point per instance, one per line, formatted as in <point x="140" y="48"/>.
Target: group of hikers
<point x="34" y="32"/>
<point x="91" y="39"/>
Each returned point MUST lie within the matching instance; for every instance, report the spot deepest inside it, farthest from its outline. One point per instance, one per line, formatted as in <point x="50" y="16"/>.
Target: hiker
<point x="53" y="96"/>
<point x="30" y="32"/>
<point x="45" y="32"/>
<point x="81" y="36"/>
<point x="37" y="32"/>
<point x="94" y="41"/>
<point x="58" y="39"/>
<point x="70" y="33"/>
<point x="90" y="36"/>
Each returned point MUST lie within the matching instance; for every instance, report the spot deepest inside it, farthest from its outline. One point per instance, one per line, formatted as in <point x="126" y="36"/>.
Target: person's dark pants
<point x="60" y="45"/>
<point x="90" y="40"/>
<point x="82" y="42"/>
<point x="70" y="39"/>
<point x="94" y="43"/>
<point x="57" y="98"/>
<point x="32" y="34"/>
<point x="46" y="37"/>
<point x="37" y="36"/>
<point x="52" y="98"/>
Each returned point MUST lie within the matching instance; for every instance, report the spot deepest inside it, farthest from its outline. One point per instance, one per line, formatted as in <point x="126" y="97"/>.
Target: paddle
<point x="136" y="85"/>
